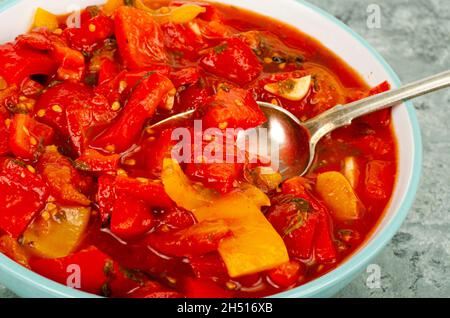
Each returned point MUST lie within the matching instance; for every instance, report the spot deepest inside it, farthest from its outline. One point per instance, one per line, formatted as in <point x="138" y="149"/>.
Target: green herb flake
<point x="108" y="268"/>
<point x="296" y="223"/>
<point x="220" y="48"/>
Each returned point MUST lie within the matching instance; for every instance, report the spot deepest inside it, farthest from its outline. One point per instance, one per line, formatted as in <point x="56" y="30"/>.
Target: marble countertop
<point x="414" y="38"/>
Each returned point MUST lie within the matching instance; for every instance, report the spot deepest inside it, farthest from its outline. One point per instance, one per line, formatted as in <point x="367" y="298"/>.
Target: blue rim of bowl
<point x="319" y="285"/>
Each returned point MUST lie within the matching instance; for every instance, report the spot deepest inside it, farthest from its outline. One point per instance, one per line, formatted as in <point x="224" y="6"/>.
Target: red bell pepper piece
<point x="204" y="288"/>
<point x="4" y="136"/>
<point x="182" y="39"/>
<point x="70" y="62"/>
<point x="140" y="106"/>
<point x="28" y="136"/>
<point x="287" y="274"/>
<point x="106" y="196"/>
<point x="17" y="64"/>
<point x="199" y="239"/>
<point x="89" y="267"/>
<point x="325" y="248"/>
<point x="151" y="192"/>
<point x="295" y="220"/>
<point x="72" y="109"/>
<point x="92" y="31"/>
<point x="139" y="38"/>
<point x="232" y="108"/>
<point x="177" y="219"/>
<point x="233" y="60"/>
<point x="209" y="266"/>
<point x="192" y="97"/>
<point x="156" y="150"/>
<point x="63" y="179"/>
<point x="130" y="217"/>
<point x="218" y="176"/>
<point x="373" y="146"/>
<point x="22" y="195"/>
<point x="379" y="179"/>
<point x="108" y="70"/>
<point x="185" y="76"/>
<point x="94" y="161"/>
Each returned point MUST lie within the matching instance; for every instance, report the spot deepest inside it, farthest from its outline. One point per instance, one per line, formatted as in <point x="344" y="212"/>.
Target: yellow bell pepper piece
<point x="181" y="190"/>
<point x="338" y="194"/>
<point x="255" y="245"/>
<point x="45" y="19"/>
<point x="57" y="231"/>
<point x="186" y="13"/>
<point x="111" y="5"/>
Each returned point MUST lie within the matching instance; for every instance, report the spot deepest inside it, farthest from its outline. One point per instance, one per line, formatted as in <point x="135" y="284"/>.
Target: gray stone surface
<point x="414" y="38"/>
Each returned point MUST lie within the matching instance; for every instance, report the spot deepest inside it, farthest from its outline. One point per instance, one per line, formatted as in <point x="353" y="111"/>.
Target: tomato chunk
<point x="182" y="39"/>
<point x="138" y="37"/>
<point x="234" y="61"/>
<point x="204" y="288"/>
<point x="22" y="195"/>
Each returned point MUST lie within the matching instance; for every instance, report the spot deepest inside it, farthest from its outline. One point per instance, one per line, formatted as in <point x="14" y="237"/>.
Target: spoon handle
<point x="342" y="115"/>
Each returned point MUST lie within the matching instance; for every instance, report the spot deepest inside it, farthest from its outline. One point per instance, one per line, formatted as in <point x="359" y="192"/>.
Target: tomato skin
<point x="27" y="136"/>
<point x="91" y="261"/>
<point x="373" y="146"/>
<point x="130" y="217"/>
<point x="233" y="107"/>
<point x="17" y="64"/>
<point x="140" y="107"/>
<point x="22" y="195"/>
<point x="234" y="61"/>
<point x="287" y="274"/>
<point x="139" y="38"/>
<point x="4" y="136"/>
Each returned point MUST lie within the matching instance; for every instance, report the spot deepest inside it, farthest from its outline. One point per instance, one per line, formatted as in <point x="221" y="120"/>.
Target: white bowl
<point x="16" y="17"/>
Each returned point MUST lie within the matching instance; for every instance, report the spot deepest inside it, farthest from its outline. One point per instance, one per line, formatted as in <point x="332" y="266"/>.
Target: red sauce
<point x="74" y="107"/>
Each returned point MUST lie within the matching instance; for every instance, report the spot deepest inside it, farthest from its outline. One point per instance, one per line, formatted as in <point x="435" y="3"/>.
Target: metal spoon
<point x="296" y="141"/>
